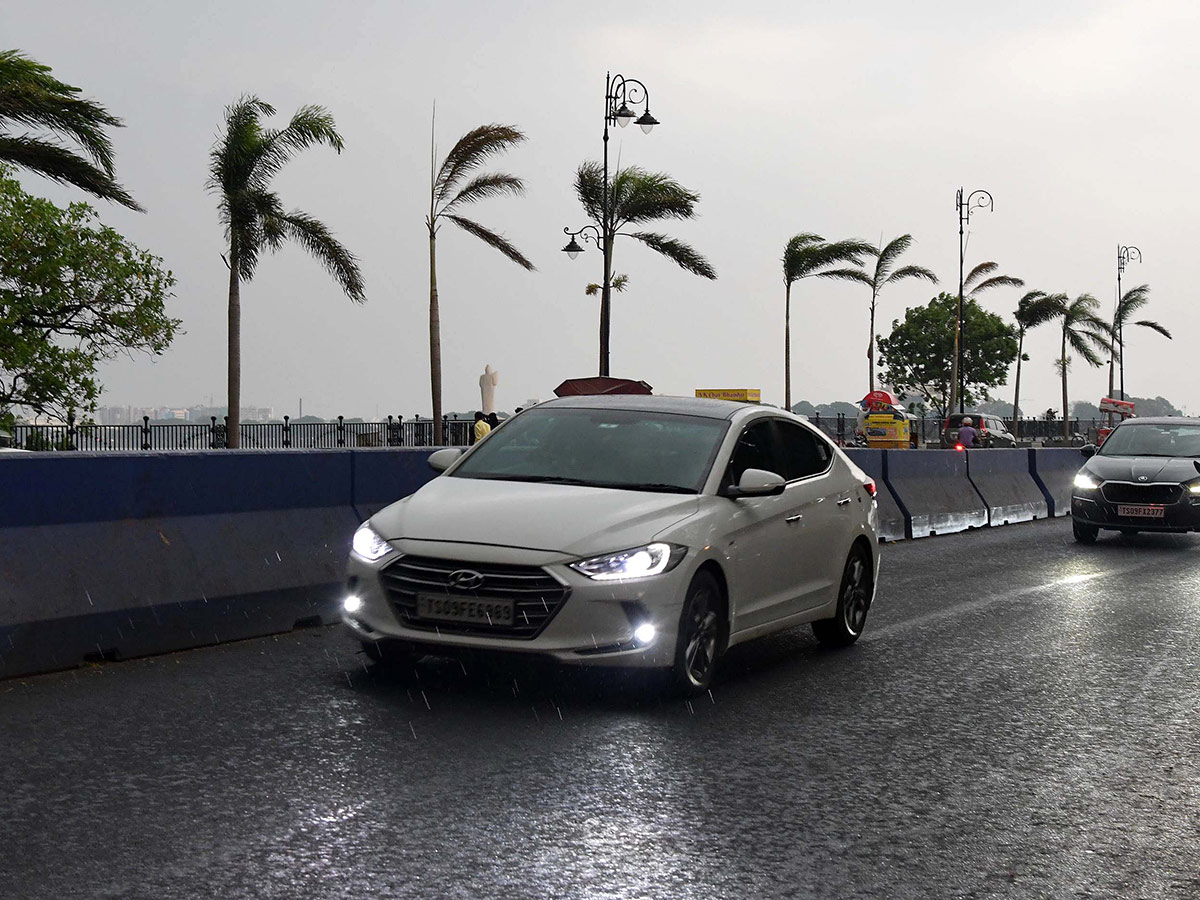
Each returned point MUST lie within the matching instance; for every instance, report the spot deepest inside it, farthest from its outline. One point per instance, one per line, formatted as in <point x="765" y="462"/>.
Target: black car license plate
<point x="1140" y="511"/>
<point x="471" y="610"/>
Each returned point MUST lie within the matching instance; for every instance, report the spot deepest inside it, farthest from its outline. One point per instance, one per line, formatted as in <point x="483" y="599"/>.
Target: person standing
<point x="482" y="428"/>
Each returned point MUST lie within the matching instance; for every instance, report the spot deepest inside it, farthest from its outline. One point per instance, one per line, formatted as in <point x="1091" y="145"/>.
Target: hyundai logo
<point x="465" y="579"/>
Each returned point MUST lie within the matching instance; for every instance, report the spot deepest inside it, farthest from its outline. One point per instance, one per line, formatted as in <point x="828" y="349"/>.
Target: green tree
<point x="1133" y="300"/>
<point x="619" y="283"/>
<point x="811" y="256"/>
<point x="30" y="97"/>
<point x="447" y="194"/>
<point x="1083" y="332"/>
<point x="72" y="294"/>
<point x="636" y="197"/>
<point x="980" y="279"/>
<point x="882" y="274"/>
<point x="242" y="163"/>
<point x="917" y="357"/>
<point x="1034" y="309"/>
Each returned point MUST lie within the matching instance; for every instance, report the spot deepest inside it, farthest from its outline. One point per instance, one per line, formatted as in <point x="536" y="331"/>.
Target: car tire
<point x="854" y="601"/>
<point x="1084" y="533"/>
<point x="391" y="654"/>
<point x="701" y="636"/>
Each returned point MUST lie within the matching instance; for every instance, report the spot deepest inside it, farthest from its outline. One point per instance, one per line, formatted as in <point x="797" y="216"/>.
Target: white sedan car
<point x="622" y="531"/>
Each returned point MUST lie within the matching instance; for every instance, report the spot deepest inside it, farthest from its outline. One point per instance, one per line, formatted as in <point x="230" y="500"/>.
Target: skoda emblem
<point x="465" y="579"/>
<point x="1141" y="478"/>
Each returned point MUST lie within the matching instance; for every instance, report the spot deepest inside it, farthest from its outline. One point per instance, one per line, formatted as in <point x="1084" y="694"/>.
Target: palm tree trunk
<point x="787" y="348"/>
<point x="1066" y="421"/>
<point x="606" y="307"/>
<point x="234" y="426"/>
<point x="1017" y="389"/>
<point x="435" y="342"/>
<point x="871" y="347"/>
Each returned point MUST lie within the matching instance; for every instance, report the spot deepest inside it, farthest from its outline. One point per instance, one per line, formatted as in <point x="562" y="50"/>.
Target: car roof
<point x="1162" y="420"/>
<point x="689" y="406"/>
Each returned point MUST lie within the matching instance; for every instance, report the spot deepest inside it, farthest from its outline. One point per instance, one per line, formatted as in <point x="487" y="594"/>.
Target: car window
<point x="802" y="453"/>
<point x="755" y="449"/>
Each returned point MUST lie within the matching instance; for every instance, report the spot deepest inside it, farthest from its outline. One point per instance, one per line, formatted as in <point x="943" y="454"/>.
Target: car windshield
<point x="1153" y="440"/>
<point x="614" y="448"/>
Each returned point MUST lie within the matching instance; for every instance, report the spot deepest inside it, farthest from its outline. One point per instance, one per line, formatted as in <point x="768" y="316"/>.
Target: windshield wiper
<point x="533" y="479"/>
<point x="645" y="486"/>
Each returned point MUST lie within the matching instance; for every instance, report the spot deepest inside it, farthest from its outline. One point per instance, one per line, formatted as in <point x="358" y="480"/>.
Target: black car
<point x="992" y="431"/>
<point x="1145" y="477"/>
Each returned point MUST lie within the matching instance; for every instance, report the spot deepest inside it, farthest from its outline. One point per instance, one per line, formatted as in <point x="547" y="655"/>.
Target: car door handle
<point x="792" y="520"/>
<point x="843" y="501"/>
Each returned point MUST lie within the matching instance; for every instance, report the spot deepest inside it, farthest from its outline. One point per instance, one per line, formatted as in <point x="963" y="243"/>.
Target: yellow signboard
<point x="738" y="395"/>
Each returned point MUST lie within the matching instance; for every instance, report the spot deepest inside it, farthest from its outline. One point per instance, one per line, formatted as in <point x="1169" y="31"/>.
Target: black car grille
<point x="536" y="595"/>
<point x="1127" y="492"/>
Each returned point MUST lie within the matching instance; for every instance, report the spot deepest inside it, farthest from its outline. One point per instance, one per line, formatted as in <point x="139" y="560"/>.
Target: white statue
<point x="487" y="390"/>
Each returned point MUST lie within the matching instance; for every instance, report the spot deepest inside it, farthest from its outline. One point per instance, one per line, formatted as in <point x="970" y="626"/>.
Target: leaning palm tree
<point x="241" y="165"/>
<point x="811" y="256"/>
<point x="635" y="197"/>
<point x="1133" y="300"/>
<point x="1034" y="309"/>
<point x="30" y="97"/>
<point x="885" y="273"/>
<point x="447" y="195"/>
<point x="978" y="280"/>
<point x="1083" y="332"/>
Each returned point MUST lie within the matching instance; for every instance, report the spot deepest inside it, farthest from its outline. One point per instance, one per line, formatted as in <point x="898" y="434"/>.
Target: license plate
<point x="476" y="611"/>
<point x="1142" y="512"/>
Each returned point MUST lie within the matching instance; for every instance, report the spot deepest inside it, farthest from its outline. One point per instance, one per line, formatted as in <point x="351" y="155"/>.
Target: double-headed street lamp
<point x="1124" y="255"/>
<point x="975" y="200"/>
<point x="619" y="93"/>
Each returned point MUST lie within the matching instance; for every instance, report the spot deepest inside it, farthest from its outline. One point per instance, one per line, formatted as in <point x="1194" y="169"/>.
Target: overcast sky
<point x="1079" y="117"/>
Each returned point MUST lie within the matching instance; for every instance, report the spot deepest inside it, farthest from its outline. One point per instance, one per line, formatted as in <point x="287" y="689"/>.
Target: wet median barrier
<point x="109" y="556"/>
<point x="1005" y="482"/>
<point x="1054" y="468"/>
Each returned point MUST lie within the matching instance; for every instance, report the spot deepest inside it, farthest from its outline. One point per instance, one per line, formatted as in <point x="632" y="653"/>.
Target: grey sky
<point x="1079" y="117"/>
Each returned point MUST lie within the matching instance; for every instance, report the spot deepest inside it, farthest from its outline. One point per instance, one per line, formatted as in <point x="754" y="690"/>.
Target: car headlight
<point x="1086" y="482"/>
<point x="368" y="545"/>
<point x="638" y="562"/>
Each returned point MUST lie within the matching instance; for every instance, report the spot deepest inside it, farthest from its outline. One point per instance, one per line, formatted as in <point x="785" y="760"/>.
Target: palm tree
<point x="31" y="97"/>
<point x="885" y="274"/>
<point x="241" y="165"/>
<point x="978" y="280"/>
<point x="447" y="194"/>
<point x="636" y="197"/>
<point x="811" y="256"/>
<point x="1034" y="309"/>
<point x="1083" y="332"/>
<point x="1133" y="300"/>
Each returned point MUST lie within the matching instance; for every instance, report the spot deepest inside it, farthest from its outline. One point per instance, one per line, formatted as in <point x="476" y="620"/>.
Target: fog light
<point x="352" y="604"/>
<point x="644" y="634"/>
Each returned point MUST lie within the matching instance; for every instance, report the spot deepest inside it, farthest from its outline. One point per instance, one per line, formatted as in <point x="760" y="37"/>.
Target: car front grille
<point x="536" y="594"/>
<point x="1128" y="492"/>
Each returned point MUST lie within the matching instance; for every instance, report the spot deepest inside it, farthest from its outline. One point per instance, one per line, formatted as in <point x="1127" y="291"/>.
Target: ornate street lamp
<point x="619" y="93"/>
<point x="1124" y="256"/>
<point x="975" y="200"/>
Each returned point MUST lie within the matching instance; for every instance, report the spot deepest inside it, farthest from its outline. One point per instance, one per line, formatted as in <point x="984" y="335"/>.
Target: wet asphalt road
<point x="1034" y="732"/>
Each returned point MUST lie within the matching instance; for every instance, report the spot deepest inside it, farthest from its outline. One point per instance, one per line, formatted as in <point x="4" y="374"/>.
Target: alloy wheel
<point x="700" y="639"/>
<point x="856" y="595"/>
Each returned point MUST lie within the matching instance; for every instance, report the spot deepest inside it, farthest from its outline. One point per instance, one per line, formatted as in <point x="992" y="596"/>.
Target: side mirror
<point x="1088" y="451"/>
<point x="441" y="460"/>
<point x="756" y="483"/>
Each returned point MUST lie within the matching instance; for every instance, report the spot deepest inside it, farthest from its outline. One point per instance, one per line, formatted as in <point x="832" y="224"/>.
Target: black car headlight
<point x="1085" y="482"/>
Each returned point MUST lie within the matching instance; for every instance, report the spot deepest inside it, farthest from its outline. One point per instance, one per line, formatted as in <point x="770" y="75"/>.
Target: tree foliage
<point x="72" y="294"/>
<point x="917" y="357"/>
<point x="32" y="98"/>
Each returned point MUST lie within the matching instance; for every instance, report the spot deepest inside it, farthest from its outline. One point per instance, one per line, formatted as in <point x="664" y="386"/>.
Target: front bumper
<point x="593" y="626"/>
<point x="1094" y="509"/>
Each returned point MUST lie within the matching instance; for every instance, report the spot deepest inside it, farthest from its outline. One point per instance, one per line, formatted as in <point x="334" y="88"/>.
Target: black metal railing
<point x="161" y="436"/>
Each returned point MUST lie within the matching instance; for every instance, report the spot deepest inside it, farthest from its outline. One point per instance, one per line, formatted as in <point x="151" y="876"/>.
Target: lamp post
<point x="619" y="93"/>
<point x="1124" y="255"/>
<point x="975" y="200"/>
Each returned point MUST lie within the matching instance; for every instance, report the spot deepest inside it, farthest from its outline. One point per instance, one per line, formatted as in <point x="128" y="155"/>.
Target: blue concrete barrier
<point x="1003" y="480"/>
<point x="933" y="487"/>
<point x="108" y="555"/>
<point x="1054" y="471"/>
<point x="892" y="520"/>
